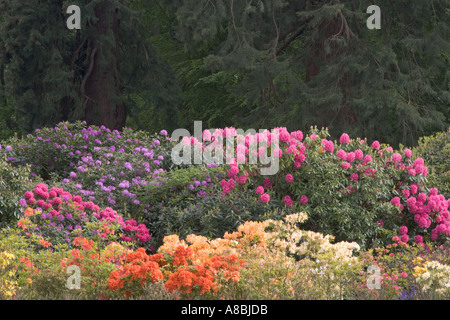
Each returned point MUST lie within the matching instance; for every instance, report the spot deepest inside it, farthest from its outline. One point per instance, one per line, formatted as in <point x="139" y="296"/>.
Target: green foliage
<point x="49" y="150"/>
<point x="40" y="275"/>
<point x="13" y="184"/>
<point x="297" y="64"/>
<point x="52" y="74"/>
<point x="36" y="61"/>
<point x="435" y="150"/>
<point x="8" y="123"/>
<point x="211" y="215"/>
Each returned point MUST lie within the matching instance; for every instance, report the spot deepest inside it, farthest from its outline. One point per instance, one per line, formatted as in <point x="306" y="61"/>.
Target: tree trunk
<point x="344" y="115"/>
<point x="103" y="92"/>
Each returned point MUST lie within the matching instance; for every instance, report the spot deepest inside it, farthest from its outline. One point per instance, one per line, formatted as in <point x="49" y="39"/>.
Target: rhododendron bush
<point x="139" y="226"/>
<point x="352" y="189"/>
<point x="58" y="217"/>
<point x="109" y="167"/>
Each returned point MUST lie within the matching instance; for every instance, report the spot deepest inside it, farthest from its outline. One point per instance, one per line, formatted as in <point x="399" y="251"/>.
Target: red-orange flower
<point x="84" y="243"/>
<point x="45" y="244"/>
<point x="138" y="266"/>
<point x="22" y="223"/>
<point x="28" y="212"/>
<point x="181" y="253"/>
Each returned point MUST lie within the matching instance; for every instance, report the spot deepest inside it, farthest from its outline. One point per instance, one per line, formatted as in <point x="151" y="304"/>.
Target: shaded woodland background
<point x="164" y="64"/>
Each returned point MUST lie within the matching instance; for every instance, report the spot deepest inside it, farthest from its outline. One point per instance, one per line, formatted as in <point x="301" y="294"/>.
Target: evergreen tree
<point x="54" y="74"/>
<point x="299" y="63"/>
<point x="8" y="124"/>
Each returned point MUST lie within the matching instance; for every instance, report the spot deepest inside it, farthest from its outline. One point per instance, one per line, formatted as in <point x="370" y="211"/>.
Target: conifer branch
<point x="88" y="73"/>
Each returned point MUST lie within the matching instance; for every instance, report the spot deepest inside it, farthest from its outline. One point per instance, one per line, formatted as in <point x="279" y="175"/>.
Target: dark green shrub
<point x="13" y="184"/>
<point x="435" y="150"/>
<point x="211" y="216"/>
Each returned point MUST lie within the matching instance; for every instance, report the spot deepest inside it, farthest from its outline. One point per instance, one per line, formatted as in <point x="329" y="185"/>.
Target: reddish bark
<point x="102" y="88"/>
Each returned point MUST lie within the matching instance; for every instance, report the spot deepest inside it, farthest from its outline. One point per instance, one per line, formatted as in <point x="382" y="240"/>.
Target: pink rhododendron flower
<point x="341" y="154"/>
<point x="284" y="136"/>
<point x="403" y="230"/>
<point x="298" y="135"/>
<point x="265" y="198"/>
<point x="345" y="165"/>
<point x="396" y="157"/>
<point x="344" y="138"/>
<point x="289" y="178"/>
<point x="418" y="161"/>
<point x="411" y="202"/>
<point x="259" y="190"/>
<point x="408" y="153"/>
<point x="328" y="146"/>
<point x="303" y="199"/>
<point x="267" y="183"/>
<point x="242" y="179"/>
<point x="354" y="176"/>
<point x="376" y="144"/>
<point x="350" y="156"/>
<point x="300" y="157"/>
<point x="418" y="239"/>
<point x="422" y="197"/>
<point x="406" y="193"/>
<point x="433" y="192"/>
<point x="368" y="158"/>
<point x="278" y="152"/>
<point x="395" y="201"/>
<point x="233" y="171"/>
<point x="287" y="201"/>
<point x="359" y="154"/>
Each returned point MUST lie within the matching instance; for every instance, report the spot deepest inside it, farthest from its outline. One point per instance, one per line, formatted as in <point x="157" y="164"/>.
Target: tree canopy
<point x="54" y="74"/>
<point x="250" y="64"/>
<point x="297" y="63"/>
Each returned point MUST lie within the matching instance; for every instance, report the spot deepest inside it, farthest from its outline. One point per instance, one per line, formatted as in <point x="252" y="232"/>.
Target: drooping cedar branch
<point x="293" y="37"/>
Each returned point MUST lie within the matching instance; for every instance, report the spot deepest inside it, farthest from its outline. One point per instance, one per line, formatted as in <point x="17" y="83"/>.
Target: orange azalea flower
<point x="181" y="253"/>
<point x="137" y="266"/>
<point x="28" y="212"/>
<point x="84" y="243"/>
<point x="45" y="244"/>
<point x="63" y="262"/>
<point x="26" y="261"/>
<point x="158" y="258"/>
<point x="22" y="223"/>
<point x="94" y="256"/>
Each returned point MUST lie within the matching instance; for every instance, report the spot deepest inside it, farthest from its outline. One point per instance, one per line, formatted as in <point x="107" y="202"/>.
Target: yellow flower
<point x="418" y="271"/>
<point x="417" y="260"/>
